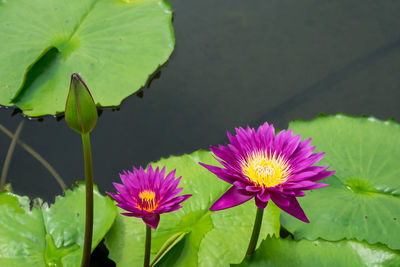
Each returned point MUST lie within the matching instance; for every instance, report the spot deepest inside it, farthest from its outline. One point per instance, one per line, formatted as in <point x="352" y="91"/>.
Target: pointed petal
<point x="169" y="209"/>
<point x="132" y="214"/>
<point x="266" y="134"/>
<point x="293" y="209"/>
<point x="311" y="160"/>
<point x="241" y="185"/>
<point x="291" y="145"/>
<point x="223" y="152"/>
<point x="223" y="174"/>
<point x="231" y="198"/>
<point x="301" y="176"/>
<point x="152" y="220"/>
<point x="314" y="186"/>
<point x="281" y="200"/>
<point x="176" y="200"/>
<point x="298" y="185"/>
<point x="116" y="197"/>
<point x="321" y="176"/>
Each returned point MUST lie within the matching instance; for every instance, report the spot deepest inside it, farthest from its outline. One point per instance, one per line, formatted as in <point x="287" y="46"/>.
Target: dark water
<point x="235" y="63"/>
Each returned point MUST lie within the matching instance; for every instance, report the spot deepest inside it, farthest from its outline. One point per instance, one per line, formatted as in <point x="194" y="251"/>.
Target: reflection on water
<point x="235" y="63"/>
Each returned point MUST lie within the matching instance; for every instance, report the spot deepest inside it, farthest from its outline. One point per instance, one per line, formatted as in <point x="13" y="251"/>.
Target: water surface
<point x="235" y="63"/>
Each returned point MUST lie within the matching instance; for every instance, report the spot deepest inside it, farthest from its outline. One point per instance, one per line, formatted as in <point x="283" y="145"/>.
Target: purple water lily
<point x="267" y="167"/>
<point x="148" y="194"/>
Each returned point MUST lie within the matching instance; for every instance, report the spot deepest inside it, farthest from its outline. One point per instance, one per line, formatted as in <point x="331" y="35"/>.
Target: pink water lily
<point x="266" y="167"/>
<point x="148" y="194"/>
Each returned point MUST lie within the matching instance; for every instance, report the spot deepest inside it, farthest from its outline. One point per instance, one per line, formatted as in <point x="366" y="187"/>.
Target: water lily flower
<point x="266" y="167"/>
<point x="147" y="194"/>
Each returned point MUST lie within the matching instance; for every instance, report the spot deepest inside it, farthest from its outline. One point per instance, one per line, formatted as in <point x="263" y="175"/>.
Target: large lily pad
<point x="363" y="199"/>
<point x="113" y="44"/>
<point x="210" y="238"/>
<point x="287" y="252"/>
<point x="50" y="236"/>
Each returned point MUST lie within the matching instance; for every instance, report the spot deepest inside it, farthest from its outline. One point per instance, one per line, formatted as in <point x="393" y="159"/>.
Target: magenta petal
<point x="240" y="185"/>
<point x="129" y="208"/>
<point x="299" y="193"/>
<point x="302" y="176"/>
<point x="231" y="198"/>
<point x="252" y="188"/>
<point x="170" y="208"/>
<point x="294" y="209"/>
<point x="115" y="196"/>
<point x="260" y="204"/>
<point x="291" y="146"/>
<point x="321" y="176"/>
<point x="314" y="186"/>
<point x="160" y="196"/>
<point x="152" y="220"/>
<point x="280" y="199"/>
<point x="263" y="195"/>
<point x="221" y="173"/>
<point x="262" y="199"/>
<point x="300" y="184"/>
<point x="306" y="163"/>
<point x="132" y="214"/>
<point x="176" y="200"/>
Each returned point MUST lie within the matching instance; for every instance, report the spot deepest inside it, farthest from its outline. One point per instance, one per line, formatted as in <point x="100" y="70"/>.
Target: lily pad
<point x="50" y="236"/>
<point x="114" y="45"/>
<point x="287" y="252"/>
<point x="363" y="199"/>
<point x="210" y="238"/>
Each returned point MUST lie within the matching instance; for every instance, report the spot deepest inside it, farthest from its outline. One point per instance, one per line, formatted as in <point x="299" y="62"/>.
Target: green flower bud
<point x="80" y="109"/>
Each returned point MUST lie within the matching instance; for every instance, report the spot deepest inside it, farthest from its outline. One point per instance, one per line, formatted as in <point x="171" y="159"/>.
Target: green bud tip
<point x="80" y="109"/>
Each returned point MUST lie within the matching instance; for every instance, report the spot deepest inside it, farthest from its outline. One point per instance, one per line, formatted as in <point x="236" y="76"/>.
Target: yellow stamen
<point x="147" y="201"/>
<point x="266" y="169"/>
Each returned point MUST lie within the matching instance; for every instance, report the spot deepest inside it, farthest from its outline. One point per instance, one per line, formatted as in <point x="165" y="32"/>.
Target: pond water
<point x="235" y="63"/>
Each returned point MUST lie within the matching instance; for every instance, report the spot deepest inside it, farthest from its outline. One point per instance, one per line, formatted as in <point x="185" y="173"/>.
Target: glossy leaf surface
<point x="363" y="199"/>
<point x="287" y="252"/>
<point x="113" y="45"/>
<point x="50" y="236"/>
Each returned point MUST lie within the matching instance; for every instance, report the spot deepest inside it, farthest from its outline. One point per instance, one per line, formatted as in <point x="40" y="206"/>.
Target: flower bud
<point x="80" y="109"/>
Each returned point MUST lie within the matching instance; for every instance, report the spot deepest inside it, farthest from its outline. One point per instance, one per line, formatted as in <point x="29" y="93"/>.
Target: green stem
<point x="87" y="155"/>
<point x="147" y="247"/>
<point x="10" y="152"/>
<point x="256" y="232"/>
<point x="36" y="155"/>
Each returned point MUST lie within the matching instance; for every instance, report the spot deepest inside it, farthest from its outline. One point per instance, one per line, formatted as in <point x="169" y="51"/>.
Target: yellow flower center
<point x="147" y="201"/>
<point x="266" y="169"/>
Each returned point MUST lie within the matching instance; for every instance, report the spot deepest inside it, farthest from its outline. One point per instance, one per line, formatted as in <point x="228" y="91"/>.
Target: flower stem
<point x="36" y="155"/>
<point x="10" y="152"/>
<point x="256" y="232"/>
<point x="87" y="155"/>
<point x="147" y="247"/>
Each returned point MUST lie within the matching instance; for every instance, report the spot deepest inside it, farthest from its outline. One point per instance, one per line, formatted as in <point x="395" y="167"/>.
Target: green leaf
<point x="287" y="252"/>
<point x="168" y="245"/>
<point x="211" y="239"/>
<point x="80" y="111"/>
<point x="50" y="236"/>
<point x="363" y="199"/>
<point x="113" y="45"/>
